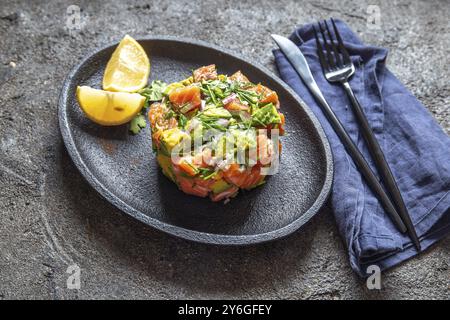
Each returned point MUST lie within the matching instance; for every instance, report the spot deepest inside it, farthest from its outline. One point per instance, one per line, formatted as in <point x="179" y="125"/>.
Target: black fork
<point x="338" y="67"/>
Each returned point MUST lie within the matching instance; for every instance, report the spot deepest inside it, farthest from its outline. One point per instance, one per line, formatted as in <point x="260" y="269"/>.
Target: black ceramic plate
<point x="123" y="169"/>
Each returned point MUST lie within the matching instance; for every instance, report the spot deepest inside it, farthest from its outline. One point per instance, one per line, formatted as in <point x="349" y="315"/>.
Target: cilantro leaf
<point x="154" y="92"/>
<point x="138" y="123"/>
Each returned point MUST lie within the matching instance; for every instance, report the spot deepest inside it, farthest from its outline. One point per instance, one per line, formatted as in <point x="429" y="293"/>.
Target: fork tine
<point x="322" y="59"/>
<point x="344" y="51"/>
<point x="331" y="62"/>
<point x="333" y="46"/>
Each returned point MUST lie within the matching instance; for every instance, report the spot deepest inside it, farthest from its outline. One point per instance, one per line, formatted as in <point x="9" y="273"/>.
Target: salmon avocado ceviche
<point x="215" y="134"/>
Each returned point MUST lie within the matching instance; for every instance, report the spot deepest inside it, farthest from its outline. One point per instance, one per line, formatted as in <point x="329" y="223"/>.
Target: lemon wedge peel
<point x="109" y="108"/>
<point x="128" y="68"/>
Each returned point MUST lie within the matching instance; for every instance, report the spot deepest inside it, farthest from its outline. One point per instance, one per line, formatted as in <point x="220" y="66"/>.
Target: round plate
<point x="123" y="168"/>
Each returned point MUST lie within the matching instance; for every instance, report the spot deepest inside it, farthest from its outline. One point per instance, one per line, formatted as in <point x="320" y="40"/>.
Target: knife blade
<point x="298" y="61"/>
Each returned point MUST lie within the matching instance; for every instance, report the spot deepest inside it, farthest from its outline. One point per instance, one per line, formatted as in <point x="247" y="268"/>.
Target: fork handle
<point x="381" y="164"/>
<point x="356" y="155"/>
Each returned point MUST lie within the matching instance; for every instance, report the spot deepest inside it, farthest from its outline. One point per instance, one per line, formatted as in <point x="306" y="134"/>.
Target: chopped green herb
<point x="137" y="123"/>
<point x="154" y="92"/>
<point x="206" y="173"/>
<point x="170" y="114"/>
<point x="247" y="96"/>
<point x="182" y="120"/>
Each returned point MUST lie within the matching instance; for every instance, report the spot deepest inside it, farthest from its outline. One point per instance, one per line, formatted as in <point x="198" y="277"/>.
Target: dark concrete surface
<point x="51" y="218"/>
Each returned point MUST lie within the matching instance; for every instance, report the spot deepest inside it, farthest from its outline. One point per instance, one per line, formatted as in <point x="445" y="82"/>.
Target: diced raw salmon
<point x="156" y="138"/>
<point x="205" y="73"/>
<point x="265" y="149"/>
<point x="204" y="183"/>
<point x="186" y="98"/>
<point x="267" y="95"/>
<point x="188" y="186"/>
<point x="187" y="167"/>
<point x="253" y="178"/>
<point x="157" y="117"/>
<point x="243" y="179"/>
<point x="239" y="76"/>
<point x="234" y="175"/>
<point x="229" y="193"/>
<point x="236" y="105"/>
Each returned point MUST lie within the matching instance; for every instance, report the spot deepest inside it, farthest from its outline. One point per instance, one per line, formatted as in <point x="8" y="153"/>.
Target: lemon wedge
<point x="109" y="108"/>
<point x="128" y="68"/>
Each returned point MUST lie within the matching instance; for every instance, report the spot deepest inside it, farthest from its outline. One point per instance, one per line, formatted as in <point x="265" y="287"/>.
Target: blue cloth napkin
<point x="415" y="146"/>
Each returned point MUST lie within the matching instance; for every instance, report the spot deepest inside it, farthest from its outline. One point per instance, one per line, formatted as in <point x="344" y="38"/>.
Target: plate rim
<point x="181" y="232"/>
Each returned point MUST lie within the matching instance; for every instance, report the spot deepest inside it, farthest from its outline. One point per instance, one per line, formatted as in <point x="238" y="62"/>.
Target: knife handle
<point x="358" y="158"/>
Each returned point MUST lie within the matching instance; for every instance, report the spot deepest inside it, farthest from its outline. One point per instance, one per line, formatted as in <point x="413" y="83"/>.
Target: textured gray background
<point x="50" y="218"/>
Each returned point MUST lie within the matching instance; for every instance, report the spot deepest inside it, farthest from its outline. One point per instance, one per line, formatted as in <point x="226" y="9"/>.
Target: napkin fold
<point x="415" y="146"/>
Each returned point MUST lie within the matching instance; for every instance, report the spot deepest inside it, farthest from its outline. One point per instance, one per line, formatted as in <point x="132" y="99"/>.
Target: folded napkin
<point x="415" y="146"/>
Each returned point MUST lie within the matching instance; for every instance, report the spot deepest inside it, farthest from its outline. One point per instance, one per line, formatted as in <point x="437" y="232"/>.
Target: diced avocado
<point x="187" y="81"/>
<point x="166" y="166"/>
<point x="172" y="86"/>
<point x="217" y="113"/>
<point x="266" y="115"/>
<point x="171" y="137"/>
<point x="220" y="186"/>
<point x="232" y="122"/>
